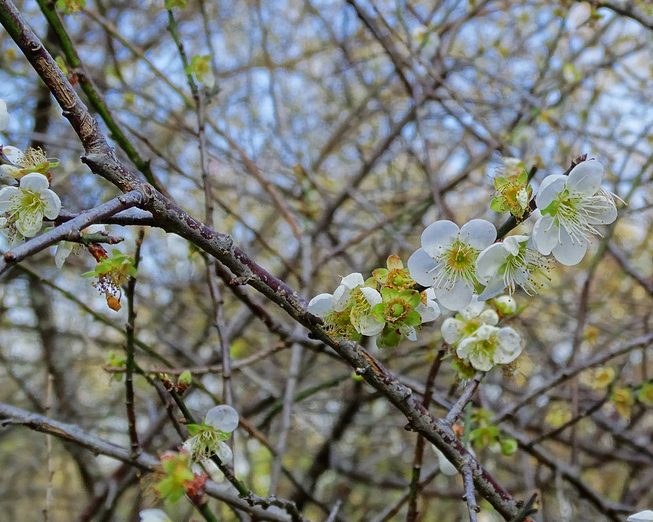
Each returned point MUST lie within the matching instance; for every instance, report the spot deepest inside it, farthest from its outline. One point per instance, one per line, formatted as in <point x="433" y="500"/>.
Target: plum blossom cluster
<point x="27" y="199"/>
<point x="479" y="343"/>
<point x="386" y="305"/>
<point x="458" y="268"/>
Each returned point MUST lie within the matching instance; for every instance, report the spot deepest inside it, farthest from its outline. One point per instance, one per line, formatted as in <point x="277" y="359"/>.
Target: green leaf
<point x="185" y="377"/>
<point x="176" y="3"/>
<point x="508" y="446"/>
<point x="522" y="178"/>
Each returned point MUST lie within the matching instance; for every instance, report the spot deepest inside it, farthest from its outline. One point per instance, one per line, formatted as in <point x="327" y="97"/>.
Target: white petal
<point x="478" y="233"/>
<point x="369" y="326"/>
<point x="321" y="305"/>
<point x="438" y="236"/>
<point x="480" y="361"/>
<point x="29" y="223"/>
<point x="510" y="346"/>
<point x="13" y="154"/>
<point x="568" y="252"/>
<point x="7" y="195"/>
<point x="493" y="288"/>
<point x="642" y="516"/>
<point x="4" y="116"/>
<point x="63" y="251"/>
<point x="420" y="266"/>
<point x="94" y="229"/>
<point x="513" y="243"/>
<point x="409" y="333"/>
<point x="34" y="182"/>
<point x="52" y="204"/>
<point x="224" y="453"/>
<point x="489" y="261"/>
<point x="428" y="312"/>
<point x="488" y="317"/>
<point x="585" y="178"/>
<point x="549" y="189"/>
<point x="545" y="234"/>
<point x="451" y="330"/>
<point x="371" y="295"/>
<point x="446" y="467"/>
<point x="153" y="515"/>
<point x="473" y="309"/>
<point x="456" y="297"/>
<point x="603" y="214"/>
<point x="223" y="418"/>
<point x="352" y="281"/>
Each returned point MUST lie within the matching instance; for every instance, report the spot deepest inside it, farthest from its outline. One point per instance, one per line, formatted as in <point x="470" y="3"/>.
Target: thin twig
<point x="470" y="493"/>
<point x="466" y="396"/>
<point x="129" y="348"/>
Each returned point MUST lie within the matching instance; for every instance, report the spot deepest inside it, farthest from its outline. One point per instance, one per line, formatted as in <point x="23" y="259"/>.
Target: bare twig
<point x="38" y="243"/>
<point x="466" y="396"/>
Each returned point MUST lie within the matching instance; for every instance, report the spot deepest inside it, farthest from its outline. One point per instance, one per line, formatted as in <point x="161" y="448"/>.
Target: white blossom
<point x="509" y="263"/>
<point x="490" y="345"/>
<point x="23" y="208"/>
<point x="571" y="206"/>
<point x="468" y="320"/>
<point x="642" y="516"/>
<point x="355" y="300"/>
<point x="447" y="259"/>
<point x="219" y="422"/>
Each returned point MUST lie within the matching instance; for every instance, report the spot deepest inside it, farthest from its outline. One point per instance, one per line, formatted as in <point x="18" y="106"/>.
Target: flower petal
<point x="428" y="312"/>
<point x="455" y="297"/>
<point x="321" y="305"/>
<point x="549" y="189"/>
<point x="478" y="233"/>
<point x="63" y="251"/>
<point x="34" y="182"/>
<point x="421" y="268"/>
<point x="371" y="295"/>
<point x="7" y="198"/>
<point x="569" y="252"/>
<point x="510" y="347"/>
<point x="352" y="281"/>
<point x="153" y="515"/>
<point x="52" y="204"/>
<point x="642" y="516"/>
<point x="603" y="214"/>
<point x="223" y="418"/>
<point x="438" y="236"/>
<point x="493" y="289"/>
<point x="545" y="234"/>
<point x="29" y="223"/>
<point x="12" y="153"/>
<point x="446" y="467"/>
<point x="585" y="178"/>
<point x="473" y="309"/>
<point x="368" y="326"/>
<point x="451" y="330"/>
<point x="489" y="261"/>
<point x="224" y="453"/>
